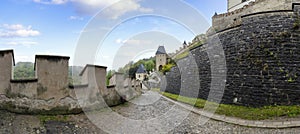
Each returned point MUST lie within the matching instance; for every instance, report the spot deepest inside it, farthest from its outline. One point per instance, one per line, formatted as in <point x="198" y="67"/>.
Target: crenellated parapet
<point x="50" y="92"/>
<point x="233" y="18"/>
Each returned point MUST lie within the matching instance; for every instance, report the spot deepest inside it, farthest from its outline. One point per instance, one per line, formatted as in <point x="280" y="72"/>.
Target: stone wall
<point x="23" y="88"/>
<point x="50" y="92"/>
<point x="237" y="4"/>
<point x="7" y="62"/>
<point x="262" y="59"/>
<point x="232" y="19"/>
<point x="52" y="74"/>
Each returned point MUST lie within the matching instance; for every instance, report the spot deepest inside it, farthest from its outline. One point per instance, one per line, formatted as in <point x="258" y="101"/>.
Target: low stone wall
<point x="49" y="93"/>
<point x="23" y="88"/>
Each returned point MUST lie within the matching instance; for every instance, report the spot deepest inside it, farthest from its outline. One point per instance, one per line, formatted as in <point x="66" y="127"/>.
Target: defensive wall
<point x="262" y="56"/>
<point x="50" y="92"/>
<point x="232" y="19"/>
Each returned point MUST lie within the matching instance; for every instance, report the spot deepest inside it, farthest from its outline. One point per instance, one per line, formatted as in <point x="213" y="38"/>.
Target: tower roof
<point x="141" y="69"/>
<point x="161" y="50"/>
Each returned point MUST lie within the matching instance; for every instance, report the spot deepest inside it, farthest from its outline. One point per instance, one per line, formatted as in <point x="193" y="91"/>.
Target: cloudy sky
<point x="112" y="29"/>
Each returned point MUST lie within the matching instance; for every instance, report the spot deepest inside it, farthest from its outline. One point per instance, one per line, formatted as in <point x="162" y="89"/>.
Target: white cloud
<point x="119" y="41"/>
<point x="13" y="27"/>
<point x="134" y="42"/>
<point x="23" y="58"/>
<point x="56" y="2"/>
<point x="24" y="43"/>
<point x="123" y="7"/>
<point x="17" y="30"/>
<point x="75" y="18"/>
<point x="93" y="6"/>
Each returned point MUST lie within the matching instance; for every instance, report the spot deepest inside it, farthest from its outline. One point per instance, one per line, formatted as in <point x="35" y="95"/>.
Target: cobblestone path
<point x="149" y="113"/>
<point x="163" y="116"/>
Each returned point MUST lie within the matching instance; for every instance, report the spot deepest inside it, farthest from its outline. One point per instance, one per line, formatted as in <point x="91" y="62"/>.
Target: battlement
<point x="233" y="18"/>
<point x="50" y="88"/>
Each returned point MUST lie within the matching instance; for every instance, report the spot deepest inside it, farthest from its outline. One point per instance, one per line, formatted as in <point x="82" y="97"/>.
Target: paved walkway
<point x="163" y="115"/>
<point x="232" y="120"/>
<point x="149" y="113"/>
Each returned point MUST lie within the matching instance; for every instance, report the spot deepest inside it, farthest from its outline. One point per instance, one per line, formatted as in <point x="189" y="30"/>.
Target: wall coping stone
<point x="24" y="80"/>
<point x="266" y="12"/>
<point x="9" y="51"/>
<point x="90" y="65"/>
<point x="78" y="86"/>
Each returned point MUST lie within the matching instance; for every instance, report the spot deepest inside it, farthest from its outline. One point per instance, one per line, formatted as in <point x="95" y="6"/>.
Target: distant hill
<point x="24" y="70"/>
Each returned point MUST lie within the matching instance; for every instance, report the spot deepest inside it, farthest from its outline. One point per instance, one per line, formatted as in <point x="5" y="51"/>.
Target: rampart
<point x="50" y="92"/>
<point x="262" y="58"/>
<point x="232" y="19"/>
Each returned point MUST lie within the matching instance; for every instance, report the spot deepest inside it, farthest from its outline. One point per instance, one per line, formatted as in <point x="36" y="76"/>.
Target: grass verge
<point x="61" y="118"/>
<point x="248" y="113"/>
<point x="182" y="55"/>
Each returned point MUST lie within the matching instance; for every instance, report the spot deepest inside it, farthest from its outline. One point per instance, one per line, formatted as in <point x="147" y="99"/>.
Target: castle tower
<point x="6" y="72"/>
<point x="161" y="58"/>
<point x="236" y="4"/>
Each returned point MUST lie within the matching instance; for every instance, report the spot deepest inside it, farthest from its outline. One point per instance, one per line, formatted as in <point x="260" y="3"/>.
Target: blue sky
<point x="54" y="27"/>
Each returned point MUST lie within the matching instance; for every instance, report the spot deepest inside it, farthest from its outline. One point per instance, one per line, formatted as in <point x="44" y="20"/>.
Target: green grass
<point x="186" y="52"/>
<point x="45" y="118"/>
<point x="195" y="45"/>
<point x="248" y="113"/>
<point x="182" y="55"/>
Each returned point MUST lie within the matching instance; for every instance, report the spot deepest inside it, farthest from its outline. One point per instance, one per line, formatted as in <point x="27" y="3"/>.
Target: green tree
<point x="24" y="70"/>
<point x="109" y="75"/>
<point x="167" y="68"/>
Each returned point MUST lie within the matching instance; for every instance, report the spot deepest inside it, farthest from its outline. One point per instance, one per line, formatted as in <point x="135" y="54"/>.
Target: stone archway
<point x="160" y="67"/>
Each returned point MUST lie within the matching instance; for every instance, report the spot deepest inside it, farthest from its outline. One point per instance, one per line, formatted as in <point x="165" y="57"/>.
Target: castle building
<point x="141" y="73"/>
<point x="236" y="4"/>
<point x="161" y="58"/>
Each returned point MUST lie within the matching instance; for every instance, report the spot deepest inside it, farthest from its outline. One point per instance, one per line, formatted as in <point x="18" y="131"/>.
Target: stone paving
<point x="166" y="116"/>
<point x="232" y="120"/>
<point x="150" y="113"/>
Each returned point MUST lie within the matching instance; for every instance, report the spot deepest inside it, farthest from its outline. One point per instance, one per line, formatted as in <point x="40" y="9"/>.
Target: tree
<point x="109" y="75"/>
<point x="24" y="70"/>
<point x="167" y="68"/>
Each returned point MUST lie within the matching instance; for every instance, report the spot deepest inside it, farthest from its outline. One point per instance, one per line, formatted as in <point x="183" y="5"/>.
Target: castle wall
<point x="231" y="19"/>
<point x="262" y="59"/>
<point x="6" y="65"/>
<point x="50" y="92"/>
<point x="95" y="77"/>
<point x="52" y="74"/>
<point x="113" y="79"/>
<point x="237" y="4"/>
<point x="23" y="88"/>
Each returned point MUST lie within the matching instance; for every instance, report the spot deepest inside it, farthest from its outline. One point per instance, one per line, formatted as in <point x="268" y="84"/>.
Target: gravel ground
<point x="138" y="116"/>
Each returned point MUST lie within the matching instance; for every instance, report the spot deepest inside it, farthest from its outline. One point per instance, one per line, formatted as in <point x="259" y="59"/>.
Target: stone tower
<point x="161" y="58"/>
<point x="236" y="4"/>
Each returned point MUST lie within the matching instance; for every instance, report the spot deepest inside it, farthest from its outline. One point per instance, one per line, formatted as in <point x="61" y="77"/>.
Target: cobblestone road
<point x="163" y="116"/>
<point x="149" y="113"/>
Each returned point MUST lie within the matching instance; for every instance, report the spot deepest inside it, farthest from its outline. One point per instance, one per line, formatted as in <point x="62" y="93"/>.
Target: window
<point x="244" y="0"/>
